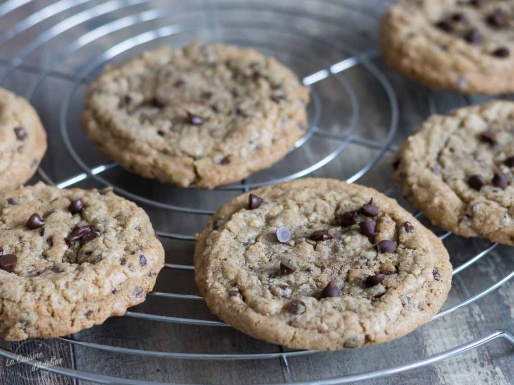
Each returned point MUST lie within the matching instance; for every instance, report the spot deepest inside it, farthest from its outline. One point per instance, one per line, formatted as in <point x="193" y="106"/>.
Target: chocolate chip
<point x="499" y="180"/>
<point x="142" y="260"/>
<point x="57" y="269"/>
<point x="331" y="290"/>
<point x="445" y="26"/>
<point x="179" y="83"/>
<point x="386" y="246"/>
<point x="8" y="261"/>
<point x="296" y="307"/>
<point x="407" y="227"/>
<point x="77" y="206"/>
<point x="225" y="160"/>
<point x="478" y="3"/>
<point x="501" y="52"/>
<point x="283" y="234"/>
<point x="496" y="19"/>
<point x="20" y="133"/>
<point x="489" y="137"/>
<point x="123" y="261"/>
<point x="374" y="280"/>
<point x="347" y="219"/>
<point x="235" y="293"/>
<point x="89" y="313"/>
<point x="509" y="162"/>
<point x="193" y="119"/>
<point x="94" y="233"/>
<point x="396" y="163"/>
<point x="379" y="295"/>
<point x="161" y="133"/>
<point x="158" y="102"/>
<point x="286" y="268"/>
<point x="368" y="228"/>
<point x="476" y="182"/>
<point x="473" y="36"/>
<point x="458" y="17"/>
<point x="436" y="274"/>
<point x="13" y="202"/>
<point x="254" y="202"/>
<point x="35" y="222"/>
<point x="320" y="235"/>
<point x="370" y="209"/>
<point x="78" y="233"/>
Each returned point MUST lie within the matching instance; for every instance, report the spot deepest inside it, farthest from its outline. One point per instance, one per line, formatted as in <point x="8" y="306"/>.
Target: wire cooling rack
<point x="50" y="50"/>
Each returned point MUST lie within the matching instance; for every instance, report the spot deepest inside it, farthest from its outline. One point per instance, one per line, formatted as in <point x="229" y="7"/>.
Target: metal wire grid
<point x="212" y="12"/>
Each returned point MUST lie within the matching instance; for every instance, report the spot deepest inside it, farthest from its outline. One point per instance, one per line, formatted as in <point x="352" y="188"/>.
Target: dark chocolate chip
<point x="368" y="228"/>
<point x="77" y="206"/>
<point x="14" y="202"/>
<point x="459" y="17"/>
<point x="501" y="52"/>
<point x="193" y="119"/>
<point x="161" y="133"/>
<point x="374" y="280"/>
<point x="476" y="182"/>
<point x="283" y="234"/>
<point x="347" y="219"/>
<point x="436" y="274"/>
<point x="254" y="202"/>
<point x="499" y="180"/>
<point x="8" y="261"/>
<point x="496" y="19"/>
<point x="235" y="293"/>
<point x="158" y="102"/>
<point x="445" y="26"/>
<point x="379" y="295"/>
<point x="320" y="235"/>
<point x="407" y="227"/>
<point x="489" y="137"/>
<point x="35" y="221"/>
<point x="78" y="233"/>
<point x="473" y="36"/>
<point x="142" y="260"/>
<point x="94" y="233"/>
<point x="386" y="246"/>
<point x="331" y="290"/>
<point x="370" y="209"/>
<point x="123" y="261"/>
<point x="20" y="133"/>
<point x="225" y="160"/>
<point x="286" y="268"/>
<point x="509" y="162"/>
<point x="296" y="307"/>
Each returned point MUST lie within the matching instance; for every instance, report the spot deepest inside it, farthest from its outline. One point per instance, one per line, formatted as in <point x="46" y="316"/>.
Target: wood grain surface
<point x="366" y="103"/>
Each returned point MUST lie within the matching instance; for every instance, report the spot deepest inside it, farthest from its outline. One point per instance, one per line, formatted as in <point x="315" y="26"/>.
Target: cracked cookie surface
<point x="459" y="170"/>
<point x="204" y="114"/>
<point x="464" y="45"/>
<point x="22" y="138"/>
<point x="320" y="264"/>
<point x="70" y="259"/>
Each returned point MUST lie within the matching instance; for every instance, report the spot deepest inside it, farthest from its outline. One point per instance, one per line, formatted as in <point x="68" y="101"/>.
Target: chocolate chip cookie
<point x="320" y="264"/>
<point x="459" y="170"/>
<point x="204" y="114"/>
<point x="464" y="45"/>
<point x="23" y="140"/>
<point x="69" y="259"/>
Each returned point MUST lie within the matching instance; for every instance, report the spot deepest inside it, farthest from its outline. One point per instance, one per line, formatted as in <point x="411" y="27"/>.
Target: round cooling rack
<point x="358" y="114"/>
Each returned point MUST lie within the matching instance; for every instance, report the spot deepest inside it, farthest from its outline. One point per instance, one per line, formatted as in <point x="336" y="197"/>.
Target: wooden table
<point x="360" y="114"/>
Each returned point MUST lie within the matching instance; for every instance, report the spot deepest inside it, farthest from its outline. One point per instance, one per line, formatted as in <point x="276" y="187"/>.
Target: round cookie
<point x="458" y="170"/>
<point x="464" y="45"/>
<point x="203" y="114"/>
<point x="320" y="264"/>
<point x="70" y="259"/>
<point x="22" y="140"/>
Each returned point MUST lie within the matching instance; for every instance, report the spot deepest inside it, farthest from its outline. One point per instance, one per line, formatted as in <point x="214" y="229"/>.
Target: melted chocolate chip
<point x="78" y="233"/>
<point x="489" y="137"/>
<point x="476" y="182"/>
<point x="331" y="290"/>
<point x="501" y="52"/>
<point x="374" y="280"/>
<point x="35" y="221"/>
<point x="496" y="19"/>
<point x="436" y="274"/>
<point x="347" y="219"/>
<point x="368" y="228"/>
<point x="407" y="227"/>
<point x="499" y="180"/>
<point x="386" y="246"/>
<point x="445" y="26"/>
<point x="283" y="234"/>
<point x="320" y="235"/>
<point x="254" y="202"/>
<point x="369" y="209"/>
<point x="77" y="206"/>
<point x="473" y="36"/>
<point x="21" y="133"/>
<point x="296" y="307"/>
<point x="193" y="119"/>
<point x="142" y="260"/>
<point x="235" y="293"/>
<point x="286" y="268"/>
<point x="8" y="261"/>
<point x="509" y="162"/>
<point x="94" y="233"/>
